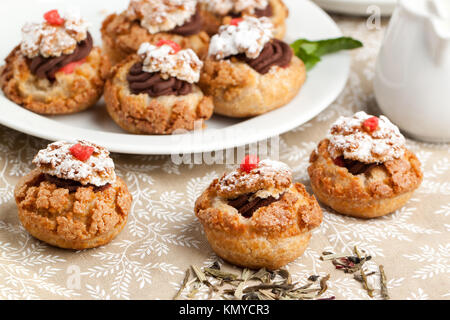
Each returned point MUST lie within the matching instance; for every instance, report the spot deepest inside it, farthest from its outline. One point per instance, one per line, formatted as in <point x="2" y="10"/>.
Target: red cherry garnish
<point x="236" y="21"/>
<point x="70" y="68"/>
<point x="371" y="124"/>
<point x="339" y="161"/>
<point x="53" y="18"/>
<point x="81" y="152"/>
<point x="175" y="46"/>
<point x="249" y="163"/>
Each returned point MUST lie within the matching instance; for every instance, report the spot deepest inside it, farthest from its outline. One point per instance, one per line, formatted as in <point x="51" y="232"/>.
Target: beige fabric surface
<point x="163" y="238"/>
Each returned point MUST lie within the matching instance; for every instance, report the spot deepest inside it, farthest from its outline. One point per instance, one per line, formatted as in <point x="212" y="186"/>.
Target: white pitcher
<point x="412" y="80"/>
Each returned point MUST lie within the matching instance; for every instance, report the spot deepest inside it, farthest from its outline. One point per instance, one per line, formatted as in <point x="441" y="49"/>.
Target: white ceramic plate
<point x="323" y="85"/>
<point x="359" y="7"/>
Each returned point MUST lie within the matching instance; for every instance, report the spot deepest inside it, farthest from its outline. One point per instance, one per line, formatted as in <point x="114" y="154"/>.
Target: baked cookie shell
<point x="274" y="236"/>
<point x="239" y="91"/>
<point x="379" y="192"/>
<point x="69" y="93"/>
<point x="212" y="21"/>
<point x="80" y="220"/>
<point x="142" y="114"/>
<point x="122" y="37"/>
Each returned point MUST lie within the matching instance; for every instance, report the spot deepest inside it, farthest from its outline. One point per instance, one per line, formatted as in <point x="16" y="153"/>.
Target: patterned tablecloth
<point x="163" y="238"/>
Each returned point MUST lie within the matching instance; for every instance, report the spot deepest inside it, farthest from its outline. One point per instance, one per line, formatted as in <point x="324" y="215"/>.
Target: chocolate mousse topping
<point x="259" y="13"/>
<point x="191" y="27"/>
<point x="47" y="67"/>
<point x="154" y="85"/>
<point x="246" y="207"/>
<point x="275" y="53"/>
<point x="72" y="185"/>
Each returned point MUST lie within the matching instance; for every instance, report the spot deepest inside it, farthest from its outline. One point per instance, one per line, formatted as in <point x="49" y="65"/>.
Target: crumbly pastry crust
<point x="274" y="236"/>
<point x="212" y="21"/>
<point x="380" y="191"/>
<point x="239" y="91"/>
<point x="122" y="37"/>
<point x="80" y="220"/>
<point x="69" y="93"/>
<point x="141" y="114"/>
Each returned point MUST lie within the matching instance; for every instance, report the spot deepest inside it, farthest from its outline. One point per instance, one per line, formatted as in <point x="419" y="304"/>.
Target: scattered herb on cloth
<point x="310" y="52"/>
<point x="355" y="264"/>
<point x="252" y="285"/>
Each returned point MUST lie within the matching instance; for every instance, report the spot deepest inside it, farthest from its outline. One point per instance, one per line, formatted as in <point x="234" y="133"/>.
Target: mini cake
<point x="154" y="92"/>
<point x="151" y="21"/>
<point x="256" y="216"/>
<point x="218" y="12"/>
<point x="56" y="69"/>
<point x="363" y="167"/>
<point x="73" y="199"/>
<point x="248" y="72"/>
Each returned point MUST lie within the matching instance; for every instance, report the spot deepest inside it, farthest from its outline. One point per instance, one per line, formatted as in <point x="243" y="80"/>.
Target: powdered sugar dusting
<point x="161" y="15"/>
<point x="223" y="7"/>
<point x="56" y="160"/>
<point x="183" y="65"/>
<point x="249" y="37"/>
<point x="53" y="41"/>
<point x="348" y="138"/>
<point x="267" y="170"/>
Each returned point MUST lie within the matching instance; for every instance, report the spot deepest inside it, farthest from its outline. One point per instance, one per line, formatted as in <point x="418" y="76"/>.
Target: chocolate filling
<point x="246" y="207"/>
<point x="191" y="27"/>
<point x="48" y="67"/>
<point x="355" y="167"/>
<point x="274" y="53"/>
<point x="266" y="12"/>
<point x="72" y="185"/>
<point x="153" y="85"/>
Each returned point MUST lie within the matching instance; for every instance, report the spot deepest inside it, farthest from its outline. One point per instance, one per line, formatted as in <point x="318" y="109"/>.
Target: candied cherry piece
<point x="249" y="163"/>
<point x="339" y="161"/>
<point x="371" y="124"/>
<point x="175" y="46"/>
<point x="70" y="68"/>
<point x="236" y="21"/>
<point x="53" y="18"/>
<point x="81" y="152"/>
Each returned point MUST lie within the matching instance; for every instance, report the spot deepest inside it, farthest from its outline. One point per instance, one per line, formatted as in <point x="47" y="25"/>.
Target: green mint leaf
<point x="311" y="51"/>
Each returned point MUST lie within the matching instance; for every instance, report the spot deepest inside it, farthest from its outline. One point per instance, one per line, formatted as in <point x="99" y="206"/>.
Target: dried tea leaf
<point x="183" y="285"/>
<point x="239" y="292"/>
<point x="215" y="265"/>
<point x="202" y="278"/>
<point x="323" y="285"/>
<point x="332" y="256"/>
<point x="301" y="296"/>
<point x="251" y="296"/>
<point x="269" y="295"/>
<point x="358" y="277"/>
<point x="216" y="273"/>
<point x="383" y="284"/>
<point x="261" y="275"/>
<point x="196" y="286"/>
<point x="313" y="278"/>
<point x="269" y="286"/>
<point x="199" y="274"/>
<point x="366" y="284"/>
<point x="285" y="275"/>
<point x="245" y="276"/>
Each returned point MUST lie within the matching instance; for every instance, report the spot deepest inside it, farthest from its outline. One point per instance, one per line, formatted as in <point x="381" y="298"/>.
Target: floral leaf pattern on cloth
<point x="163" y="237"/>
